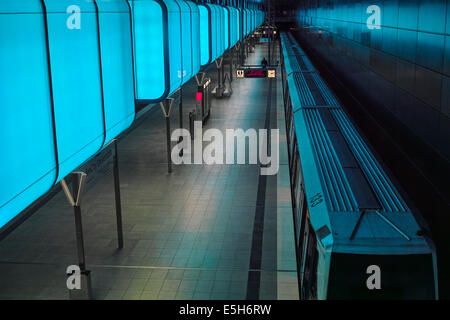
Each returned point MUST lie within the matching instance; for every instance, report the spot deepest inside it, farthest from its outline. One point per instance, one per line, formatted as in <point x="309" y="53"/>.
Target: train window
<point x="293" y="147"/>
<point x="288" y="127"/>
<point x="299" y="191"/>
<point x="302" y="252"/>
<point x="294" y="172"/>
<point x="288" y="119"/>
<point x="294" y="153"/>
<point x="288" y="105"/>
<point x="287" y="97"/>
<point x="300" y="171"/>
<point x="300" y="214"/>
<point x="309" y="286"/>
<point x="297" y="171"/>
<point x="291" y="126"/>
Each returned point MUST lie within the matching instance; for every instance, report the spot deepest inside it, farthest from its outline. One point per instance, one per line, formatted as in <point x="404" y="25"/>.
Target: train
<point x="356" y="236"/>
<point x="73" y="71"/>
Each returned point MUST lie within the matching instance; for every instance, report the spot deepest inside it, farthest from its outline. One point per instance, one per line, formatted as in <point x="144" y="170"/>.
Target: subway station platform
<point x="201" y="232"/>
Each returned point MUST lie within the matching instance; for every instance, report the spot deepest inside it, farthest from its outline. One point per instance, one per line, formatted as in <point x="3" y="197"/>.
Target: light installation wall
<point x="77" y="87"/>
<point x="117" y="66"/>
<point x="212" y="33"/>
<point x="72" y="70"/>
<point x="28" y="158"/>
<point x="66" y="91"/>
<point x="191" y="39"/>
<point x="226" y="26"/>
<point x="205" y="54"/>
<point x="165" y="41"/>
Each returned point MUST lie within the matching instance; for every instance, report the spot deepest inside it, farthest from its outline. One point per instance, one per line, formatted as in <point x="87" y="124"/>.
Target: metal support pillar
<point x="181" y="107"/>
<point x="246" y="48"/>
<point x="238" y="49"/>
<point x="181" y="118"/>
<point x="231" y="67"/>
<point x="166" y="108"/>
<point x="219" y="64"/>
<point x="199" y="77"/>
<point x="117" y="197"/>
<point x="270" y="35"/>
<point x="74" y="197"/>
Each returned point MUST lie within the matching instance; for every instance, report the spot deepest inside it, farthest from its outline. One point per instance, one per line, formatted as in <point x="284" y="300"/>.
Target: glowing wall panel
<point x="76" y="81"/>
<point x="117" y="66"/>
<point x="205" y="51"/>
<point x="27" y="162"/>
<point x="190" y="51"/>
<point x="215" y="29"/>
<point x="226" y="27"/>
<point x="186" y="41"/>
<point x="175" y="45"/>
<point x="221" y="31"/>
<point x="195" y="37"/>
<point x="149" y="43"/>
<point x="163" y="35"/>
<point x="233" y="26"/>
<point x="249" y="22"/>
<point x="212" y="39"/>
<point x="238" y="21"/>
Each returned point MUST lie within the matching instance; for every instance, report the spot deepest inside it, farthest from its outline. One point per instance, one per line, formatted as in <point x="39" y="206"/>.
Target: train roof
<point x="295" y="60"/>
<point x="353" y="205"/>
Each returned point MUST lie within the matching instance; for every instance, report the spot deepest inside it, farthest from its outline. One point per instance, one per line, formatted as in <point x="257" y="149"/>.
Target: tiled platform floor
<point x="188" y="235"/>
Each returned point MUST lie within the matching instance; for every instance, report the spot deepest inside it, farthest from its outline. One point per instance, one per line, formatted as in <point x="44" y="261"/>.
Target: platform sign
<point x="256" y="73"/>
<point x="271" y="73"/>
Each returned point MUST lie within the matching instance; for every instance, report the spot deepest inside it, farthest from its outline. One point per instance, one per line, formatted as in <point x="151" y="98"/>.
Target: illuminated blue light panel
<point x="117" y="66"/>
<point x="244" y="22"/>
<point x="249" y="22"/>
<point x="186" y="41"/>
<point x="253" y="20"/>
<point x="249" y="27"/>
<point x="214" y="26"/>
<point x="189" y="34"/>
<point x="162" y="65"/>
<point x="238" y="18"/>
<point x="148" y="43"/>
<point x="76" y="80"/>
<point x="226" y="27"/>
<point x="92" y="78"/>
<point x="233" y="25"/>
<point x="221" y="15"/>
<point x="212" y="39"/>
<point x="175" y="46"/>
<point x="195" y="37"/>
<point x="205" y="53"/>
<point x="28" y="163"/>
